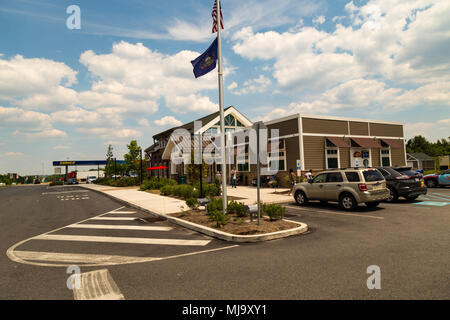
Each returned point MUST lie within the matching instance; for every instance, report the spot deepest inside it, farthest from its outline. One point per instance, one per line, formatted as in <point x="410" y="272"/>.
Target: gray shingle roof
<point x="421" y="156"/>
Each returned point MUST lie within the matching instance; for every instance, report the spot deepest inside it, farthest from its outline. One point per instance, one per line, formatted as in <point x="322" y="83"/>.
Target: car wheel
<point x="347" y="202"/>
<point x="411" y="198"/>
<point x="431" y="183"/>
<point x="372" y="204"/>
<point x="393" y="196"/>
<point x="300" y="198"/>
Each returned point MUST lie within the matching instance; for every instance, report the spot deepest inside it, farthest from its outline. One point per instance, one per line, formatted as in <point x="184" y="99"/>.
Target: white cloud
<point x="45" y="133"/>
<point x="11" y="154"/>
<point x="112" y="133"/>
<point x="168" y="121"/>
<point x="191" y="103"/>
<point x="319" y="20"/>
<point x="143" y="122"/>
<point x="430" y="130"/>
<point x="257" y="85"/>
<point x="232" y="86"/>
<point x="61" y="148"/>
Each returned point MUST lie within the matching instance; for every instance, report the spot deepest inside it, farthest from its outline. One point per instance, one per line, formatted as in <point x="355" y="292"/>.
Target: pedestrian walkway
<point x="119" y="236"/>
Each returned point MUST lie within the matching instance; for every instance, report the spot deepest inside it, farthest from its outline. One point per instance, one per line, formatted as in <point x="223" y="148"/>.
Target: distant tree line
<point x="420" y="144"/>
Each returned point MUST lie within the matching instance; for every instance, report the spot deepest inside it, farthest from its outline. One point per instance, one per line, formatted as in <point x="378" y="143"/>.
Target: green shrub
<point x="154" y="183"/>
<point x="56" y="183"/>
<point x="192" y="203"/>
<point x="125" y="182"/>
<point x="211" y="190"/>
<point x="167" y="190"/>
<point x="238" y="208"/>
<point x="274" y="211"/>
<point x="219" y="217"/>
<point x="186" y="191"/>
<point x="214" y="205"/>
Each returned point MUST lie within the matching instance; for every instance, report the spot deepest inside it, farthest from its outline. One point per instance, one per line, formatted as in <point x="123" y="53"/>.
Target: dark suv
<point x="403" y="182"/>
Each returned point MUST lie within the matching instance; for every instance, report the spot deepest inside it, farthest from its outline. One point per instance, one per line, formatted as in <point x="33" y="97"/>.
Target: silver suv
<point x="348" y="187"/>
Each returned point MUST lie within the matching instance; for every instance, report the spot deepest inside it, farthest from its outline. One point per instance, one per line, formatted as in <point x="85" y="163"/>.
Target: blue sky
<point x="126" y="73"/>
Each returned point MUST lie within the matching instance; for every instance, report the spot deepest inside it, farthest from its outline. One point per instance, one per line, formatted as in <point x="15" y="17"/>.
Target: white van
<point x="91" y="179"/>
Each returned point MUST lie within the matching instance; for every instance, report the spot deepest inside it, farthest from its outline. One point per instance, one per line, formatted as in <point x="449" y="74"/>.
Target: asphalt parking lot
<point x="409" y="241"/>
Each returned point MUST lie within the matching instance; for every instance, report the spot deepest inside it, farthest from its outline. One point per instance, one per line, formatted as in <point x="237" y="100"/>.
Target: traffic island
<point x="238" y="229"/>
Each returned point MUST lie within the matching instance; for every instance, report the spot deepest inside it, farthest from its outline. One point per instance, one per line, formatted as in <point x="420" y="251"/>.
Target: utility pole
<point x="141" y="168"/>
<point x="115" y="174"/>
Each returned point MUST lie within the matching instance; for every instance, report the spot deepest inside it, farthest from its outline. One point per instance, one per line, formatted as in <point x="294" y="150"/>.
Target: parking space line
<point x="79" y="258"/>
<point x="59" y="192"/>
<point x="121" y="212"/>
<point x="157" y="241"/>
<point x="337" y="213"/>
<point x="97" y="285"/>
<point x="114" y="218"/>
<point x="118" y="227"/>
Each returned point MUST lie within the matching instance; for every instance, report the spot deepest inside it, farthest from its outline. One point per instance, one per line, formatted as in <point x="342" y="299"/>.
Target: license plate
<point x="377" y="187"/>
<point x="417" y="179"/>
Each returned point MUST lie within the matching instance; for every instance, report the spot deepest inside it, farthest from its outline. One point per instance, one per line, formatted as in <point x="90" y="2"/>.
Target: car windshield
<point x="372" y="175"/>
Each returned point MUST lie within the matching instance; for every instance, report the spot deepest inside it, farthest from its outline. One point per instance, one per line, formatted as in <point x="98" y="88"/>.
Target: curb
<point x="302" y="228"/>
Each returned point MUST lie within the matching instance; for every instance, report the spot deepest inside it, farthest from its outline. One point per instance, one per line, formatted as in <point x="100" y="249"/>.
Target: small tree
<point x="133" y="158"/>
<point x="109" y="168"/>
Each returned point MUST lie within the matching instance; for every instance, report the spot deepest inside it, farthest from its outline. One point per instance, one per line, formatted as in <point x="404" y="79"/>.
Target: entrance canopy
<point x="82" y="162"/>
<point x="338" y="142"/>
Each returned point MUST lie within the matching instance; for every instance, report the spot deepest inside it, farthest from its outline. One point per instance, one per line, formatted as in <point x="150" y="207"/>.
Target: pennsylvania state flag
<point x="206" y="62"/>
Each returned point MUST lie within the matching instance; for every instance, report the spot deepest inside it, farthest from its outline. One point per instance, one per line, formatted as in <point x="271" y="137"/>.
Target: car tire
<point x="300" y="198"/>
<point x="431" y="183"/>
<point x="347" y="202"/>
<point x="393" y="196"/>
<point x="372" y="204"/>
<point x="411" y="198"/>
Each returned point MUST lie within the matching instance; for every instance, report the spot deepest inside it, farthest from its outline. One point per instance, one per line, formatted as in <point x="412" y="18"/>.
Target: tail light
<point x="402" y="177"/>
<point x="362" y="186"/>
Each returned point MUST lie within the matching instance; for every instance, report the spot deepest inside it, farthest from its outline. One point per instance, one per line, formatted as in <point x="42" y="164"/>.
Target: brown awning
<point x="395" y="144"/>
<point x="338" y="142"/>
<point x="366" y="143"/>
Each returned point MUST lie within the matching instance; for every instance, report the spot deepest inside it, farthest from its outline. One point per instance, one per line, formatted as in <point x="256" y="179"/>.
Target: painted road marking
<point x="65" y="192"/>
<point x="113" y="218"/>
<point x="79" y="258"/>
<point x="432" y="203"/>
<point x="97" y="285"/>
<point x="172" y="242"/>
<point x="121" y="212"/>
<point x="119" y="227"/>
<point x="338" y="213"/>
<point x="27" y="257"/>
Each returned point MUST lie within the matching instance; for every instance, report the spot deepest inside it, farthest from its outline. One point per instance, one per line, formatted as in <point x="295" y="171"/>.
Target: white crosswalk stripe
<point x="118" y="227"/>
<point x="176" y="242"/>
<point x="114" y="218"/>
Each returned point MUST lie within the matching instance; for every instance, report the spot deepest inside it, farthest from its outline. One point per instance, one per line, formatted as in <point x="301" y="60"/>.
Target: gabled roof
<point x="421" y="156"/>
<point x="190" y="125"/>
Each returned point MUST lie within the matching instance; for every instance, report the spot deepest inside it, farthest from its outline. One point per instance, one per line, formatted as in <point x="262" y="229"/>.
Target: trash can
<point x="182" y="180"/>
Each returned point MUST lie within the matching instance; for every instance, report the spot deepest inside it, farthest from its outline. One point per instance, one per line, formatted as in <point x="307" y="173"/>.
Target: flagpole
<point x="222" y="121"/>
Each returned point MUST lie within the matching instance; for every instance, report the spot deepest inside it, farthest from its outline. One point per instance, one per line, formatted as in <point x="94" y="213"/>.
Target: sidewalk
<point x="149" y="201"/>
<point x="165" y="205"/>
<point x="268" y="195"/>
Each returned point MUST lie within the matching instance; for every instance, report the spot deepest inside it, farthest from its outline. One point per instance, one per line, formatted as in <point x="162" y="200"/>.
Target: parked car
<point x="91" y="179"/>
<point x="403" y="182"/>
<point x="349" y="187"/>
<point x="438" y="179"/>
<point x="72" y="181"/>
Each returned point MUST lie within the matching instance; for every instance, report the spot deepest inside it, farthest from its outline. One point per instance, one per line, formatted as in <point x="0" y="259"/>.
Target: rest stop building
<point x="306" y="142"/>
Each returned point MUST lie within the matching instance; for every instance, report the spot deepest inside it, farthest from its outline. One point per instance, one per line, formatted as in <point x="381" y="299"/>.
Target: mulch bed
<point x="236" y="225"/>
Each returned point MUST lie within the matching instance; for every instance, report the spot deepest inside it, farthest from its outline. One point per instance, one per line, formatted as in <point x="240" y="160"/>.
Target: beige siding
<point x="375" y="153"/>
<point x="292" y="153"/>
<point x="324" y="126"/>
<point x="398" y="157"/>
<point x="314" y="152"/>
<point x="386" y="130"/>
<point x="285" y="127"/>
<point x="344" y="157"/>
<point x="359" y="128"/>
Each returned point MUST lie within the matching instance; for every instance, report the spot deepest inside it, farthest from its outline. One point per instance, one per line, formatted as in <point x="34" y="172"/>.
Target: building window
<point x="332" y="156"/>
<point x="243" y="167"/>
<point x="211" y="131"/>
<point x="385" y="155"/>
<point x="280" y="157"/>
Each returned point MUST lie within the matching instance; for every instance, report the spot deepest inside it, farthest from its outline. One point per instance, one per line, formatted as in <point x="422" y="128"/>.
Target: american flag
<point x="214" y="16"/>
